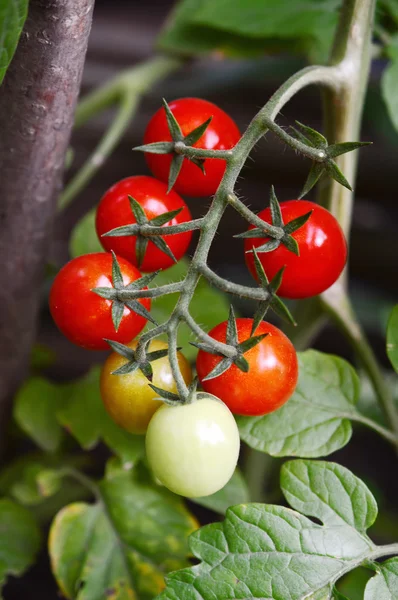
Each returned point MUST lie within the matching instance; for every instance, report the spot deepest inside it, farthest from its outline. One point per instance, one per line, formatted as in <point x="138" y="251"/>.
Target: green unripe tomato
<point x="193" y="448"/>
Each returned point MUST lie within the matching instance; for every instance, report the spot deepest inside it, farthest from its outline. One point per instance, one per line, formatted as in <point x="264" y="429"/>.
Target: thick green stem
<point x="343" y="114"/>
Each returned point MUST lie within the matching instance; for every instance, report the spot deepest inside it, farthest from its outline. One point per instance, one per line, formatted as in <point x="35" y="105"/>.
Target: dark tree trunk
<point x="37" y="102"/>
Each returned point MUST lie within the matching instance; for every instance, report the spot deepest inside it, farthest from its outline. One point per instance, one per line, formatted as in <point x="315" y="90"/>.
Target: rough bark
<point x="37" y="101"/>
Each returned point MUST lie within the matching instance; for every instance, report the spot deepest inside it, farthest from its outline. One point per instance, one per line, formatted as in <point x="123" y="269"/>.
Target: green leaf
<point x="392" y="338"/>
<point x="85" y="417"/>
<point x="273" y="552"/>
<point x="13" y="14"/>
<point x="234" y="492"/>
<point x="384" y="585"/>
<point x="122" y="547"/>
<point x="251" y="27"/>
<point x="204" y="297"/>
<point x="315" y="421"/>
<point x="34" y="411"/>
<point x="19" y="540"/>
<point x="254" y="18"/>
<point x="389" y="88"/>
<point x="84" y="239"/>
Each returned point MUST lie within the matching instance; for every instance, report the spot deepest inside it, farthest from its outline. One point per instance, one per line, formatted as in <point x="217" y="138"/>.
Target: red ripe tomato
<point x="322" y="246"/>
<point x="221" y="134"/>
<point x="84" y="317"/>
<point x="272" y="376"/>
<point x="114" y="210"/>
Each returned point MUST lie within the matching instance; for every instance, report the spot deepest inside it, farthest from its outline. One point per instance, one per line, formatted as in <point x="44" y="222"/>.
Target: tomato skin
<point x="128" y="398"/>
<point x="272" y="376"/>
<point x="193" y="448"/>
<point x="322" y="246"/>
<point x="114" y="210"/>
<point x="84" y="317"/>
<point x="221" y="134"/>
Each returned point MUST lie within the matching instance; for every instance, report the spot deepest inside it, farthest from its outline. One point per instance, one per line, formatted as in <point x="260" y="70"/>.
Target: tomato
<point x="193" y="448"/>
<point x="272" y="375"/>
<point x="84" y="317"/>
<point x="129" y="399"/>
<point x="221" y="134"/>
<point x="114" y="211"/>
<point x="322" y="246"/>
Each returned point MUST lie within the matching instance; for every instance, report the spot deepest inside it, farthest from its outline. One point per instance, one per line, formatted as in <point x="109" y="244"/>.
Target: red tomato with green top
<point x="84" y="317"/>
<point x="272" y="376"/>
<point x="221" y="134"/>
<point x="322" y="247"/>
<point x="114" y="210"/>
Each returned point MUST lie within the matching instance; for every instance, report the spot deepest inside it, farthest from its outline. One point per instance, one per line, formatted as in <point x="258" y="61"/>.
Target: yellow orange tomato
<point x="129" y="399"/>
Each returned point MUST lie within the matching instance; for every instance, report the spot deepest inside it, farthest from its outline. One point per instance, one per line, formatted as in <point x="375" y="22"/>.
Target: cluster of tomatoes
<point x="192" y="448"/>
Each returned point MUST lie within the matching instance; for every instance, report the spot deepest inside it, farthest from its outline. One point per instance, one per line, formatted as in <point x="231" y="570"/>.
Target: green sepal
<point x="195" y="135"/>
<point x="339" y="149"/>
<point x="142" y="282"/>
<point x="250" y="343"/>
<point x="232" y="332"/>
<point x="141" y="245"/>
<point x="123" y="230"/>
<point x="117" y="313"/>
<point x="206" y="348"/>
<point x="334" y="172"/>
<point x="276" y="214"/>
<point x="269" y="246"/>
<point x="219" y="369"/>
<point x="313" y="177"/>
<point x="296" y="133"/>
<point x="166" y="395"/>
<point x="172" y="123"/>
<point x="242" y="364"/>
<point x="250" y="233"/>
<point x="117" y="277"/>
<point x="199" y="162"/>
<point x="156" y="148"/>
<point x="138" y="308"/>
<point x="129" y="367"/>
<point x="163" y="247"/>
<point x="316" y="139"/>
<point x="175" y="168"/>
<point x="121" y="349"/>
<point x="138" y="211"/>
<point x="165" y="217"/>
<point x="282" y="311"/>
<point x="109" y="293"/>
<point x="273" y="301"/>
<point x="295" y="224"/>
<point x="132" y="365"/>
<point x="291" y="244"/>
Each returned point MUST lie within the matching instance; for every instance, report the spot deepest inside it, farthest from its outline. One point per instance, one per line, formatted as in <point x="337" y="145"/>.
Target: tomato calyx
<point x="231" y="340"/>
<point x="120" y="300"/>
<point x="177" y="146"/>
<point x="314" y="139"/>
<point x="172" y="399"/>
<point x="273" y="301"/>
<point x="142" y="230"/>
<point x="134" y="362"/>
<point x="287" y="229"/>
